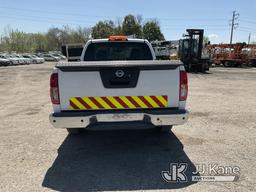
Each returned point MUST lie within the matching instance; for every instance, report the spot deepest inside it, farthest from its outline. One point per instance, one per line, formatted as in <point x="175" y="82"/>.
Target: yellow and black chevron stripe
<point x="118" y="102"/>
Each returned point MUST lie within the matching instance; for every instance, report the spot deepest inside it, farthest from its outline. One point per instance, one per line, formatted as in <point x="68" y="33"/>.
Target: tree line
<point x="130" y="25"/>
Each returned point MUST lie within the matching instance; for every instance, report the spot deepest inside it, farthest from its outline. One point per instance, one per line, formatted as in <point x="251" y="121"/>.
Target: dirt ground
<point x="36" y="157"/>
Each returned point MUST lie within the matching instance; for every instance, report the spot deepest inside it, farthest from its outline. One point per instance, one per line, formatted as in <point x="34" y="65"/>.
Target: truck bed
<point x="98" y="86"/>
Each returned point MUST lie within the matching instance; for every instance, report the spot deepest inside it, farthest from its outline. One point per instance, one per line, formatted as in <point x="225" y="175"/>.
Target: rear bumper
<point x="81" y="119"/>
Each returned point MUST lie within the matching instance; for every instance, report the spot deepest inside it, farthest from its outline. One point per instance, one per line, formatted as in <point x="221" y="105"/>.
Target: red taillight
<point x="54" y="89"/>
<point x="183" y="85"/>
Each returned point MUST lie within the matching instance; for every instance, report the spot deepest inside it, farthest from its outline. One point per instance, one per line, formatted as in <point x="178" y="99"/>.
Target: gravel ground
<point x="36" y="157"/>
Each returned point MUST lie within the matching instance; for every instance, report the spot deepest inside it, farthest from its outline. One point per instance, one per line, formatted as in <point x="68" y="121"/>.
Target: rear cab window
<point x="114" y="51"/>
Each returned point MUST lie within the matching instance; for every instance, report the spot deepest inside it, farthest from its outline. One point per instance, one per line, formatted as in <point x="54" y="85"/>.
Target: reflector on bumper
<point x="118" y="102"/>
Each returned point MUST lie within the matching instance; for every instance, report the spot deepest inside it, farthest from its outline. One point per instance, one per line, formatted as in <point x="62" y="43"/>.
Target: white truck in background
<point x="72" y="51"/>
<point x="118" y="80"/>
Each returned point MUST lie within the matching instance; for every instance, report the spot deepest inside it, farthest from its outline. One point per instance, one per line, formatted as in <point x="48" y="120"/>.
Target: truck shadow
<point x="116" y="160"/>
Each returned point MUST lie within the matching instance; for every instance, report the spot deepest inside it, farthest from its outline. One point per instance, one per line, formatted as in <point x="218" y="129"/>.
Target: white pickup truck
<point x="118" y="80"/>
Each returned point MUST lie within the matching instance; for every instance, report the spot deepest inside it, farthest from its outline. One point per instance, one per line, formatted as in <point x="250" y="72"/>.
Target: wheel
<point x="252" y="64"/>
<point x="164" y="128"/>
<point x="201" y="68"/>
<point x="207" y="66"/>
<point x="226" y="64"/>
<point x="188" y="67"/>
<point x="74" y="131"/>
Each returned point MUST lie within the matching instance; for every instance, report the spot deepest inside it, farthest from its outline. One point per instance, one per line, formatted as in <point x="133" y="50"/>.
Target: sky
<point x="174" y="16"/>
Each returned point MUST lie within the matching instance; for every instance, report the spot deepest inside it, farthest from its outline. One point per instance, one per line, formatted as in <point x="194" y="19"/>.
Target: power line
<point x="106" y="17"/>
<point x="191" y="19"/>
<point x="40" y="20"/>
<point x="166" y="27"/>
<point x="50" y="19"/>
<point x="73" y="20"/>
<point x="248" y="28"/>
<point x="53" y="20"/>
<point x="77" y="22"/>
<point x="207" y="28"/>
<point x="243" y="30"/>
<point x="247" y="21"/>
<point x="51" y="12"/>
<point x="195" y="26"/>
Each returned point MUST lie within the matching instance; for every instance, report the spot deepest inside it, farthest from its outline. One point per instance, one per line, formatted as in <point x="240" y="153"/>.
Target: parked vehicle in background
<point x="50" y="57"/>
<point x="164" y="49"/>
<point x="72" y="51"/>
<point x="229" y="55"/>
<point x="14" y="61"/>
<point x="4" y="62"/>
<point x="20" y="60"/>
<point x="118" y="80"/>
<point x="62" y="57"/>
<point x="25" y="60"/>
<point x="250" y="51"/>
<point x="30" y="57"/>
<point x="39" y="59"/>
<point x="41" y="55"/>
<point x="34" y="58"/>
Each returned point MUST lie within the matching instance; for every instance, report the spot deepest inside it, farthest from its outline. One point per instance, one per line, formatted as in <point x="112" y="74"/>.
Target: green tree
<point x="40" y="43"/>
<point x="131" y="26"/>
<point x="56" y="37"/>
<point x="59" y="36"/>
<point x="80" y="35"/>
<point x="103" y="29"/>
<point x="118" y="30"/>
<point x="18" y="41"/>
<point x="152" y="31"/>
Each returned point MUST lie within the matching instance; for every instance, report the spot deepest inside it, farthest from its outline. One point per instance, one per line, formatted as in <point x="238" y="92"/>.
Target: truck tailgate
<point x="118" y="85"/>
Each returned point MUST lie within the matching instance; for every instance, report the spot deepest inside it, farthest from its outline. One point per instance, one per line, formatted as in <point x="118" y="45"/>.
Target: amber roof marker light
<point x="118" y="38"/>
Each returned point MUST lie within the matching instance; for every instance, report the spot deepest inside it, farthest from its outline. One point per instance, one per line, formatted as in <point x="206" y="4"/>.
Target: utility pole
<point x="233" y="24"/>
<point x="249" y="38"/>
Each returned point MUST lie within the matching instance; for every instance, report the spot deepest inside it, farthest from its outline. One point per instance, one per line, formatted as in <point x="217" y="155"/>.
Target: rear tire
<point x="253" y="64"/>
<point x="226" y="64"/>
<point x="164" y="128"/>
<point x="202" y="68"/>
<point x="74" y="131"/>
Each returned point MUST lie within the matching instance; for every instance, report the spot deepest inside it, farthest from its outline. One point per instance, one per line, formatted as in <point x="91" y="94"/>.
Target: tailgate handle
<point x="123" y="81"/>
